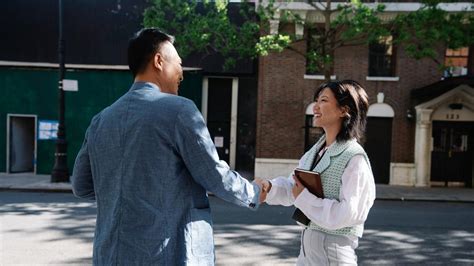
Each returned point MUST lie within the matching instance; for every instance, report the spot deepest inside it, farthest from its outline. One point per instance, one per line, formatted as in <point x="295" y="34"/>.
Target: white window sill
<point x="318" y="77"/>
<point x="382" y="78"/>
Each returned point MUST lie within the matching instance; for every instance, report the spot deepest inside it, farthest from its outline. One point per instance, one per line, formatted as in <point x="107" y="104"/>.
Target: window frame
<point x="449" y="72"/>
<point x="318" y="74"/>
<point x="388" y="70"/>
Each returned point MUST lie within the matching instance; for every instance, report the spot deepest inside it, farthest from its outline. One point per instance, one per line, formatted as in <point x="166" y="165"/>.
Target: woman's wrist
<point x="268" y="186"/>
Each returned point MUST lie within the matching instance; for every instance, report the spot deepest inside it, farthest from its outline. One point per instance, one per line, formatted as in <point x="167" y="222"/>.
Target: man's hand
<point x="265" y="187"/>
<point x="297" y="188"/>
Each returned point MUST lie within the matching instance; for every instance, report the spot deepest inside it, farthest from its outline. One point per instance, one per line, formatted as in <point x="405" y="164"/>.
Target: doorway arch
<point x="378" y="144"/>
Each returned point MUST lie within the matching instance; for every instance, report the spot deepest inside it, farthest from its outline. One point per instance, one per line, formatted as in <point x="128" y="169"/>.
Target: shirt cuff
<point x="306" y="200"/>
<point x="272" y="191"/>
<point x="256" y="199"/>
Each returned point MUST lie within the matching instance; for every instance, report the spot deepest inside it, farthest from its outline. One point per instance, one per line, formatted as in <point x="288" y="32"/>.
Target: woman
<point x="337" y="221"/>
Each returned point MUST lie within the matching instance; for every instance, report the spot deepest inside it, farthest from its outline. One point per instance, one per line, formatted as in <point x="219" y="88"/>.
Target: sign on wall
<point x="453" y="112"/>
<point x="47" y="129"/>
<point x="70" y="85"/>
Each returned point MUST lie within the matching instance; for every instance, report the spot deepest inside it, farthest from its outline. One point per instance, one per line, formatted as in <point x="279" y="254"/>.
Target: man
<point x="148" y="161"/>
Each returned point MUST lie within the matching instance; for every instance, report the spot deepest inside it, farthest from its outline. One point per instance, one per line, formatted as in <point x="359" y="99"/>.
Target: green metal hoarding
<point x="33" y="91"/>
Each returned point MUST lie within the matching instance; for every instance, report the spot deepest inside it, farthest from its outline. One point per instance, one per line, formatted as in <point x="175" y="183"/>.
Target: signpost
<point x="60" y="171"/>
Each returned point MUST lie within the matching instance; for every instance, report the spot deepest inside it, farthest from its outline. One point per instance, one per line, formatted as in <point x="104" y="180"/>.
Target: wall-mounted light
<point x="409" y="114"/>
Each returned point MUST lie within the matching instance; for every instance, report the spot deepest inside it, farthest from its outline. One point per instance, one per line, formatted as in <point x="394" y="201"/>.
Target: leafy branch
<point x="206" y="27"/>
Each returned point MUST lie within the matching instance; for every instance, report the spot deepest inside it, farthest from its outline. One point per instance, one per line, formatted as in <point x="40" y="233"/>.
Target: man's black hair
<point x="143" y="46"/>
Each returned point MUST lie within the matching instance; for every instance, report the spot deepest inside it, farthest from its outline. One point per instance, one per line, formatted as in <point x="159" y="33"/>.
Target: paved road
<point x="56" y="228"/>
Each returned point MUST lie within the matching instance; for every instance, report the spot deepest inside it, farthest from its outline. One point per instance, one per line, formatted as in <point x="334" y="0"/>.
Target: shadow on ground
<point x="63" y="226"/>
<point x="416" y="247"/>
<point x="52" y="228"/>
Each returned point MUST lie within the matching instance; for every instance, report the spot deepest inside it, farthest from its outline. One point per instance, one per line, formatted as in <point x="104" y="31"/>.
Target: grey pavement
<point x="42" y="183"/>
<point x="57" y="229"/>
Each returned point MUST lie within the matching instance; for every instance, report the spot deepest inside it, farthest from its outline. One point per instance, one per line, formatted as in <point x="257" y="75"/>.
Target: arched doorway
<point x="378" y="144"/>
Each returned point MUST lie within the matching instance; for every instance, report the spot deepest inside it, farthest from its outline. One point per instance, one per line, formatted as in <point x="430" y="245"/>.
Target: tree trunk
<point x="327" y="42"/>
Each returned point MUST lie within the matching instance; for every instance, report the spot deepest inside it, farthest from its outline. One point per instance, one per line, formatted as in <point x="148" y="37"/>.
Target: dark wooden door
<point x="378" y="146"/>
<point x="452" y="155"/>
<point x="246" y="125"/>
<point x="22" y="144"/>
<point x="219" y="114"/>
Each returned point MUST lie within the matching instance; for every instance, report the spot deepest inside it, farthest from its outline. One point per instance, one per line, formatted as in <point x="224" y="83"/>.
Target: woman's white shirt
<point x="356" y="197"/>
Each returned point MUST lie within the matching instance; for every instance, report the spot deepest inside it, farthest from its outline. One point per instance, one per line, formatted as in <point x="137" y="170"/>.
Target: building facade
<point x="412" y="128"/>
<point x="96" y="34"/>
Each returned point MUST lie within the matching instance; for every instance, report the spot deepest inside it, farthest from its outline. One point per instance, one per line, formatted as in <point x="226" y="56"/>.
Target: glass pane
<point x="458" y="141"/>
<point x="456" y="61"/>
<point x="381" y="58"/>
<point x="439" y="139"/>
<point x="463" y="52"/>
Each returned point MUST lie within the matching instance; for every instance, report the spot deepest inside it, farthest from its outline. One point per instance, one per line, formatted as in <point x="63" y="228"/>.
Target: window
<point x="314" y="58"/>
<point x="456" y="62"/>
<point x="382" y="58"/>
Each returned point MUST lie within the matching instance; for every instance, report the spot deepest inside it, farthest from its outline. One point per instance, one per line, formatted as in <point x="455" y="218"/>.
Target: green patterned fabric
<point x="331" y="167"/>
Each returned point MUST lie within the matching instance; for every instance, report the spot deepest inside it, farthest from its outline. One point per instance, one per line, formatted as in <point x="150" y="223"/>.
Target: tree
<point x="206" y="28"/>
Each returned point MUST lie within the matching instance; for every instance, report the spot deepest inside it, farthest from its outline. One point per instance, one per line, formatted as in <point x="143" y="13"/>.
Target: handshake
<point x="265" y="187"/>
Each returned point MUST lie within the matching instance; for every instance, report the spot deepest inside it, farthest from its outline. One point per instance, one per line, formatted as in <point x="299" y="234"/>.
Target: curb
<point x="69" y="190"/>
<point x="37" y="189"/>
<point x="424" y="200"/>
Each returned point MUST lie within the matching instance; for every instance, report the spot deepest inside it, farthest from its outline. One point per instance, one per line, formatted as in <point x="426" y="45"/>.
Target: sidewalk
<point x="42" y="183"/>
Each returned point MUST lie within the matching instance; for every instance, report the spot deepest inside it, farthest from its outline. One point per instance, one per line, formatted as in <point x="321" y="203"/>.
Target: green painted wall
<point x="34" y="91"/>
<point x="191" y="87"/>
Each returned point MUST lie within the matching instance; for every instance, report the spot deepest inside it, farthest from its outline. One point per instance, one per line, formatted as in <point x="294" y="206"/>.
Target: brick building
<point x="417" y="121"/>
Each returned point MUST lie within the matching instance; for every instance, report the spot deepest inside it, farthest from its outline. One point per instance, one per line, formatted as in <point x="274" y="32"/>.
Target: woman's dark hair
<point x="143" y="46"/>
<point x="350" y="94"/>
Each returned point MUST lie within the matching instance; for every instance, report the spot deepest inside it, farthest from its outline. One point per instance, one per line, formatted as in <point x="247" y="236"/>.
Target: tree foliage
<point x="206" y="27"/>
<point x="424" y="30"/>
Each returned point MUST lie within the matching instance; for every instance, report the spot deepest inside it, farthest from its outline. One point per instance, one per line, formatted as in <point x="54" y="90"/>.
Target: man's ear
<point x="158" y="61"/>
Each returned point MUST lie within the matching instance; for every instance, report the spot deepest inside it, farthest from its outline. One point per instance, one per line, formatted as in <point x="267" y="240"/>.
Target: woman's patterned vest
<point x="331" y="167"/>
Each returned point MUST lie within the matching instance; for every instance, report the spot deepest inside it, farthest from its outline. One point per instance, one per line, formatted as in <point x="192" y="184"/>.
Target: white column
<point x="205" y="93"/>
<point x="8" y="143"/>
<point x="299" y="27"/>
<point x="275" y="22"/>
<point x="423" y="147"/>
<point x="233" y="122"/>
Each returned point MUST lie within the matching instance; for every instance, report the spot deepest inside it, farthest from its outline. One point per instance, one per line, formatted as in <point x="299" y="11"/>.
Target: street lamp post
<point x="60" y="171"/>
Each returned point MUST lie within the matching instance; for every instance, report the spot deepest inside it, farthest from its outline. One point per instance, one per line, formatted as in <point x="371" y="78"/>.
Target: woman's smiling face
<point x="327" y="111"/>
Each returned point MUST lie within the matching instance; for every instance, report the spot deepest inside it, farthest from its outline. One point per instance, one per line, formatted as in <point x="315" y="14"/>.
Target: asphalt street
<point x="56" y="228"/>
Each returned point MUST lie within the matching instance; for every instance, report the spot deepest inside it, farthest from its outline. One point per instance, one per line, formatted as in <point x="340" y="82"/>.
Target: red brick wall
<point x="470" y="61"/>
<point x="280" y="105"/>
<point x="283" y="95"/>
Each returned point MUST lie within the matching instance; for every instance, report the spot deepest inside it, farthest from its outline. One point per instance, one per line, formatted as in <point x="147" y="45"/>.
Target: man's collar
<point x="138" y="85"/>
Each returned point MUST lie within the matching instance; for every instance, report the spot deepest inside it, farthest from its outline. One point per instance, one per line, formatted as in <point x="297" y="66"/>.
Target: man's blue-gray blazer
<point x="148" y="160"/>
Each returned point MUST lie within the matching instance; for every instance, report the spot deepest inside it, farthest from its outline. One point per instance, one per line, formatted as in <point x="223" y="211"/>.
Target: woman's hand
<point x="265" y="187"/>
<point x="297" y="188"/>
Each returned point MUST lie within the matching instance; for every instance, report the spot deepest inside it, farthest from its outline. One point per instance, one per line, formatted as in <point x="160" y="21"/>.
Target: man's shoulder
<point x="177" y="99"/>
<point x="170" y="101"/>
